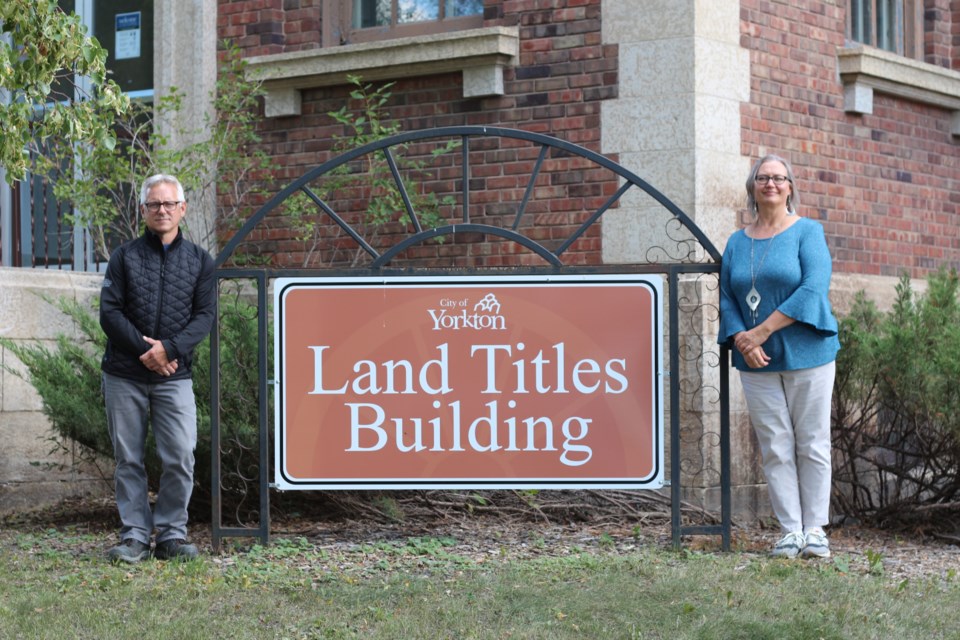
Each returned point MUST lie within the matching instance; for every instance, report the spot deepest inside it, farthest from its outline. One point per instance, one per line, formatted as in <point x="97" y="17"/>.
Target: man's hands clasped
<point x="156" y="359"/>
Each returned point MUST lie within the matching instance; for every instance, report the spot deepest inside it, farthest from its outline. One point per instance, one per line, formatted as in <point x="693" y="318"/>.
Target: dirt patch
<point x="483" y="537"/>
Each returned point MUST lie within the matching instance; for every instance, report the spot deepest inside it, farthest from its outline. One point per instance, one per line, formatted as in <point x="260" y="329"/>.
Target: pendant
<point x="753" y="301"/>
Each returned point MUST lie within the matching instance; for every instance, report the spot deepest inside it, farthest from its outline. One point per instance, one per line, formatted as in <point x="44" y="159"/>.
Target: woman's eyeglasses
<point x="777" y="180"/>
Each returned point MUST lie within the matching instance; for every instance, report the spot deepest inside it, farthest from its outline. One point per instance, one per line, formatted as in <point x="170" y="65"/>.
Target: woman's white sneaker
<point x="789" y="545"/>
<point x="816" y="545"/>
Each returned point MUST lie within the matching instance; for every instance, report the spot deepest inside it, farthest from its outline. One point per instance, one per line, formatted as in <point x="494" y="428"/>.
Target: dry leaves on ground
<point x="486" y="538"/>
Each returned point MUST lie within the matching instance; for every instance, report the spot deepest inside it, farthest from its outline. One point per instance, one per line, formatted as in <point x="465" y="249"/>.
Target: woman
<point x="775" y="314"/>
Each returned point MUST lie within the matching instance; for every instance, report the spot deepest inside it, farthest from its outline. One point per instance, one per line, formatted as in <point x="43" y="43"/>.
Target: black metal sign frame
<point x="687" y="255"/>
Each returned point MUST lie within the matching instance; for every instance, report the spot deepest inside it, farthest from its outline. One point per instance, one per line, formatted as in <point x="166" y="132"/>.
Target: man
<point x="156" y="305"/>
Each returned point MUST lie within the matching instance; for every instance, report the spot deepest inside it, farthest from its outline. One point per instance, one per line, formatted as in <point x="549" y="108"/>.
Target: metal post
<point x="725" y="480"/>
<point x="675" y="484"/>
<point x="216" y="505"/>
<point x="262" y="321"/>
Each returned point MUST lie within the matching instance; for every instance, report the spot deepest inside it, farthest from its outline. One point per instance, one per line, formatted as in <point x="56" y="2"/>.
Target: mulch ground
<point x="485" y="537"/>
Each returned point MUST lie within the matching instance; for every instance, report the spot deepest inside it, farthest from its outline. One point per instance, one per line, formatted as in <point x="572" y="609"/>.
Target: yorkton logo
<point x="457" y="314"/>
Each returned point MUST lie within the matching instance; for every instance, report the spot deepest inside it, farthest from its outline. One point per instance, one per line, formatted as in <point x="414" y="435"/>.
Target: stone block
<point x="282" y="102"/>
<point x="28" y="298"/>
<point x="637" y="20"/>
<point x="722" y="69"/>
<point x="482" y="81"/>
<point x="32" y="474"/>
<point x="667" y="171"/>
<point x="718" y="125"/>
<point x="858" y="98"/>
<point x="645" y="236"/>
<point x="26" y="451"/>
<point x="18" y="394"/>
<point x="646" y="124"/>
<point x="657" y="67"/>
<point x="717" y="21"/>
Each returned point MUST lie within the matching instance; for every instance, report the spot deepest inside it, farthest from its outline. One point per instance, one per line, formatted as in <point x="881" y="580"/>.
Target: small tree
<point x="42" y="51"/>
<point x="102" y="183"/>
<point x="364" y="122"/>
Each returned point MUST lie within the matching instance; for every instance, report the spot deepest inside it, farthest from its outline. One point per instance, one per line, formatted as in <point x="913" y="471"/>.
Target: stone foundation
<point x="34" y="471"/>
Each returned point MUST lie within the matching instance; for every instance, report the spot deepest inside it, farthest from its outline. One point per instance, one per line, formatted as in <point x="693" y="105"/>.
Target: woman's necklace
<point x="753" y="296"/>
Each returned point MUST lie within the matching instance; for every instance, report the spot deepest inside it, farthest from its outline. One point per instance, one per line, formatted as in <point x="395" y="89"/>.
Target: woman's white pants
<point x="790" y="413"/>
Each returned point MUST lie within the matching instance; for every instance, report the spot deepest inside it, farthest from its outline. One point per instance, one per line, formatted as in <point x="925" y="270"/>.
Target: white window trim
<point x="481" y="54"/>
<point x="864" y="70"/>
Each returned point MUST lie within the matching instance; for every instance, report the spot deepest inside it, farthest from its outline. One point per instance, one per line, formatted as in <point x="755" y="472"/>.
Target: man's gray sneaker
<point x="816" y="545"/>
<point x="175" y="550"/>
<point x="789" y="546"/>
<point x="130" y="551"/>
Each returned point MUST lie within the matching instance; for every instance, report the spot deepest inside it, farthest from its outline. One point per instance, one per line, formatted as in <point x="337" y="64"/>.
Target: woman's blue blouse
<point x="792" y="271"/>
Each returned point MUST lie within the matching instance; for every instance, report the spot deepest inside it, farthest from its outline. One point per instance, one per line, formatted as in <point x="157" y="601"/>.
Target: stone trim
<point x="864" y="70"/>
<point x="480" y="54"/>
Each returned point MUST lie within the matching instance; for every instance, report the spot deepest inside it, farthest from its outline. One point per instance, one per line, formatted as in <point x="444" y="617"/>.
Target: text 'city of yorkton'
<point x="498" y="428"/>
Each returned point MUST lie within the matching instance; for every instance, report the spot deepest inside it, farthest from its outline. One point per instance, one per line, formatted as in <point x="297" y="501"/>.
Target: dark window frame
<point x="343" y="30"/>
<point x="891" y="25"/>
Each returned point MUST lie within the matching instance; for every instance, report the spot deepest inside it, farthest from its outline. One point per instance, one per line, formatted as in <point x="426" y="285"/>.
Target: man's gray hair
<point x="154" y="180"/>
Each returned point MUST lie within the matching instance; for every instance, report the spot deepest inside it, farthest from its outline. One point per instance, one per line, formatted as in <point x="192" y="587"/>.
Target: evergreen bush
<point x="68" y="380"/>
<point x="896" y="431"/>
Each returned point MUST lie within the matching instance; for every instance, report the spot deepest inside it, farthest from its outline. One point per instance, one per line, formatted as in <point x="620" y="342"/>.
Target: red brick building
<point x="684" y="96"/>
<point x="863" y="96"/>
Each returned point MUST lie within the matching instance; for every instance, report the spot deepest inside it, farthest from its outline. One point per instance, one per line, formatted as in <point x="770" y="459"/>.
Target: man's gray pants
<point x="172" y="410"/>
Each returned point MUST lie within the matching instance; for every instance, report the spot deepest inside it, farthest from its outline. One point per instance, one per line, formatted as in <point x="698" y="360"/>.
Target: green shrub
<point x="896" y="430"/>
<point x="239" y="408"/>
<point x="68" y="380"/>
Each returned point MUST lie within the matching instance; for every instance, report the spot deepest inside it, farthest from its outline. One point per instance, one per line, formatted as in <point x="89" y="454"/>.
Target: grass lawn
<point x="52" y="586"/>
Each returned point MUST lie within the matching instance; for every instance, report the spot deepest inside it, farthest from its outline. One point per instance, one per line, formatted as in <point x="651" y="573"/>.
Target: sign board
<point x="127" y="38"/>
<point x="469" y="382"/>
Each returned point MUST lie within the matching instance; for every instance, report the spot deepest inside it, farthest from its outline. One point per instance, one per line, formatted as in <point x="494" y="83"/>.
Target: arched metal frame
<point x="380" y="265"/>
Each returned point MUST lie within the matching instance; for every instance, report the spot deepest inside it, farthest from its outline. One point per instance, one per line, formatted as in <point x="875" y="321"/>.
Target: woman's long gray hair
<point x="793" y="200"/>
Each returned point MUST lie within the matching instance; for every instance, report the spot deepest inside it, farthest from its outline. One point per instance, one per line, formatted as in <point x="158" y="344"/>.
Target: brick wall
<point x="887" y="185"/>
<point x="955" y="33"/>
<point x="939" y="41"/>
<point x="563" y="73"/>
<point x="262" y="27"/>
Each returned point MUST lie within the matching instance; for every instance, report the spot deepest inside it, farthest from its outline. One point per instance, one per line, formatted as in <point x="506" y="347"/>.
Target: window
<point x="381" y="19"/>
<point x="377" y="13"/>
<point x="891" y="25"/>
<point x="35" y="229"/>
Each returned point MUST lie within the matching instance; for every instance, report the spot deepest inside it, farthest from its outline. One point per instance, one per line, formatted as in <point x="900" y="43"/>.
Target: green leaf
<point x="108" y="140"/>
<point x="89" y="52"/>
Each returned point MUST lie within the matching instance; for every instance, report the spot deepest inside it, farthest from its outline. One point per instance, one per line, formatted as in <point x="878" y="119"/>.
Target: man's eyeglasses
<point x="777" y="180"/>
<point x="168" y="205"/>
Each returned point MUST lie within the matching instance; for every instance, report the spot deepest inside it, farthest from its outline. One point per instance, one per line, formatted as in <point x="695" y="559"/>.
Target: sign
<point x="127" y="40"/>
<point x="480" y="382"/>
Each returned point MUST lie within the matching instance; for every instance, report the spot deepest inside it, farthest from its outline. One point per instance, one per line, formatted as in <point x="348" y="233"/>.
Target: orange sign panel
<point x="454" y="382"/>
